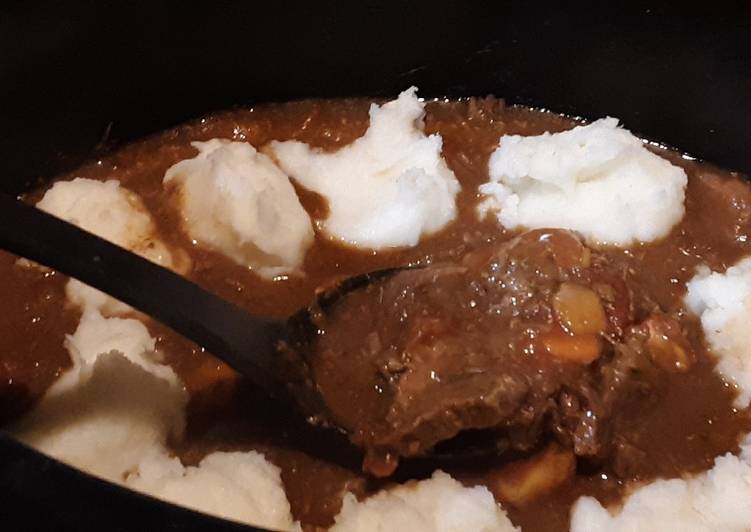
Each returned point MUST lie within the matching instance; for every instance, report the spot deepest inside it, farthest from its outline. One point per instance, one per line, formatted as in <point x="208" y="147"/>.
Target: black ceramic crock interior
<point x="79" y="79"/>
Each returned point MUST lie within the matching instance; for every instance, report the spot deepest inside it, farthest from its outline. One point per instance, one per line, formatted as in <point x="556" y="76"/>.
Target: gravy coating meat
<point x="531" y="337"/>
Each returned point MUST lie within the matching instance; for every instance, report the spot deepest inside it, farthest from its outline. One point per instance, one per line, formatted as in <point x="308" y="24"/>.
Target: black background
<point x="69" y="72"/>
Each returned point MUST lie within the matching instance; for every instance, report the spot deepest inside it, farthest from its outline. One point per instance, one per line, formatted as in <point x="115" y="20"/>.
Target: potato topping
<point x="388" y="188"/>
<point x="597" y="179"/>
<point x="722" y="301"/>
<point x="235" y="200"/>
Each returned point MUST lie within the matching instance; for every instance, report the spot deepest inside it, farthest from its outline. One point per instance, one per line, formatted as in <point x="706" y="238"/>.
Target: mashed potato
<point x="439" y="504"/>
<point x="112" y="407"/>
<point x="243" y="487"/>
<point x="111" y="212"/>
<point x="597" y="179"/>
<point x="387" y="188"/>
<point x="238" y="202"/>
<point x="712" y="501"/>
<point x="113" y="413"/>
<point x="723" y="302"/>
<point x="96" y="334"/>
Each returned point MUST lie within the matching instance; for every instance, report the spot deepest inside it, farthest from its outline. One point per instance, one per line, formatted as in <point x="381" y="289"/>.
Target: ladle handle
<point x="244" y="342"/>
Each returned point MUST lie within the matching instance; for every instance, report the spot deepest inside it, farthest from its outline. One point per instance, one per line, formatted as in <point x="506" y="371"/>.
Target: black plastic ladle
<point x="245" y="342"/>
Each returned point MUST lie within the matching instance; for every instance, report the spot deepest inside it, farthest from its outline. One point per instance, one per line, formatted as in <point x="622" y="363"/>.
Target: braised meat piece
<point x="532" y="339"/>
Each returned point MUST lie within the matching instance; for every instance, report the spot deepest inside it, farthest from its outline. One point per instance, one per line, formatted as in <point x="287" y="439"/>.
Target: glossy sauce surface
<point x="692" y="423"/>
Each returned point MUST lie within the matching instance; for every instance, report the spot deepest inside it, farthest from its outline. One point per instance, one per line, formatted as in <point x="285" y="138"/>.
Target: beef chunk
<point x="530" y="339"/>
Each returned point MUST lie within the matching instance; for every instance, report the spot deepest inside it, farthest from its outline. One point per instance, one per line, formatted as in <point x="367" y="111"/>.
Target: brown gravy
<point x="692" y="424"/>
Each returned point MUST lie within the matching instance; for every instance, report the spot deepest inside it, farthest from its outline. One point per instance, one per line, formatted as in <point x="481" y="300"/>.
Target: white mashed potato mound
<point x="438" y="504"/>
<point x="235" y="200"/>
<point x="96" y="334"/>
<point x="598" y="179"/>
<point x="113" y="412"/>
<point x="723" y="303"/>
<point x="109" y="211"/>
<point x="115" y="403"/>
<point x="87" y="298"/>
<point x="385" y="189"/>
<point x="114" y="213"/>
<point x="717" y="500"/>
<point x="103" y="417"/>
<point x="242" y="486"/>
